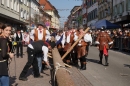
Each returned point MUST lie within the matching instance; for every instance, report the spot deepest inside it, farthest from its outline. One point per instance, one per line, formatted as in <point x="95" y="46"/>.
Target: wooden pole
<point x="62" y="76"/>
<point x="64" y="63"/>
<point x="68" y="51"/>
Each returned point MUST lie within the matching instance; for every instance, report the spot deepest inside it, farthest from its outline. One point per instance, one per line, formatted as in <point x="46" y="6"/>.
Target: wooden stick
<point x="64" y="63"/>
<point x="67" y="65"/>
<point x="68" y="51"/>
<point x="49" y="56"/>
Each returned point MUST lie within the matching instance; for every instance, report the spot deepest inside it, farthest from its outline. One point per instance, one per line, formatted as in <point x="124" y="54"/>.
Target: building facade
<point x="84" y="13"/>
<point x="105" y="9"/>
<point x="121" y="12"/>
<point x="10" y="13"/>
<point x="92" y="12"/>
<point x="51" y="10"/>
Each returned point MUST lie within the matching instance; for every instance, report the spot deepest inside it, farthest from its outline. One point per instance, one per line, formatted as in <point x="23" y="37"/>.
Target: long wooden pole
<point x="69" y="50"/>
<point x="62" y="76"/>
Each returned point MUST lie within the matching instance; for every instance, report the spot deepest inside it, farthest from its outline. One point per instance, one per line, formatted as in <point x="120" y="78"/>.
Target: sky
<point x="64" y="7"/>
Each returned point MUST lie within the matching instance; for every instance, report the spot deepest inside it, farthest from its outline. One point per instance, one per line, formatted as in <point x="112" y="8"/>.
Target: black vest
<point x="17" y="37"/>
<point x="37" y="45"/>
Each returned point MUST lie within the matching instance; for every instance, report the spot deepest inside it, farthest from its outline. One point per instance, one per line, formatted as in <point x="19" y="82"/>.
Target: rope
<point x="59" y="66"/>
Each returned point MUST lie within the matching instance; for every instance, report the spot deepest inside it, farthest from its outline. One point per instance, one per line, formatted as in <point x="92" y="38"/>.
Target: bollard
<point x="62" y="76"/>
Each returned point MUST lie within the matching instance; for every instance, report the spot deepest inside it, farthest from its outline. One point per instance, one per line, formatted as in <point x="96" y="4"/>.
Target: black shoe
<point x="106" y="64"/>
<point x="84" y="67"/>
<point x="23" y="78"/>
<point x="38" y="76"/>
<point x="100" y="62"/>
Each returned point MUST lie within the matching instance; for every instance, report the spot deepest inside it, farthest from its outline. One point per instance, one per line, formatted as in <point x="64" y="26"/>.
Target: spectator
<point x="4" y="55"/>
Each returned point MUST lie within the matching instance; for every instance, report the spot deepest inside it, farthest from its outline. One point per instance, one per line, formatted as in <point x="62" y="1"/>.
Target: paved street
<point x="15" y="69"/>
<point x="116" y="74"/>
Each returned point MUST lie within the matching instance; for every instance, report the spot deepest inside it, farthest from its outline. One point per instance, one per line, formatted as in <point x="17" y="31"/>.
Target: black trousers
<point x="32" y="60"/>
<point x="101" y="55"/>
<point x="83" y="59"/>
<point x="87" y="47"/>
<point x="19" y="46"/>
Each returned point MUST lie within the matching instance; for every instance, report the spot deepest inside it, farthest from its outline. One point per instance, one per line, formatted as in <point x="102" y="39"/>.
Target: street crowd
<point x="41" y="40"/>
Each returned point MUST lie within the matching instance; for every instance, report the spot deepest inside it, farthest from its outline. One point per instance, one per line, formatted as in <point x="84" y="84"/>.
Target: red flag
<point x="105" y="51"/>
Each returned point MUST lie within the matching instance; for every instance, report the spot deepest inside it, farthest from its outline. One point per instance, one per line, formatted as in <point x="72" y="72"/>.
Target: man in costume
<point x="40" y="33"/>
<point x="32" y="50"/>
<point x="103" y="41"/>
<point x="68" y="40"/>
<point x="81" y="48"/>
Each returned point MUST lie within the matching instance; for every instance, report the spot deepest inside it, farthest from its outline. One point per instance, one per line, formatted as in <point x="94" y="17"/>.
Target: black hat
<point x="42" y="24"/>
<point x="18" y="29"/>
<point x="102" y="28"/>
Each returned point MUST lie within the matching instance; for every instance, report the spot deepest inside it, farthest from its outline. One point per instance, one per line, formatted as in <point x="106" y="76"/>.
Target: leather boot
<point x="106" y="61"/>
<point x="100" y="62"/>
<point x="76" y="64"/>
<point x="81" y="65"/>
<point x="84" y="66"/>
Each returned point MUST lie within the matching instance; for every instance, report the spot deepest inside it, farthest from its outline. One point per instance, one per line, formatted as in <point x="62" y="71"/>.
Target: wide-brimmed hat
<point x="81" y="27"/>
<point x="42" y="24"/>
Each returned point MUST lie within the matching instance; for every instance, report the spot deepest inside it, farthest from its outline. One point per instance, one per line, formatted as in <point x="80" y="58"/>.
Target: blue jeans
<point x="4" y="80"/>
<point x="39" y="59"/>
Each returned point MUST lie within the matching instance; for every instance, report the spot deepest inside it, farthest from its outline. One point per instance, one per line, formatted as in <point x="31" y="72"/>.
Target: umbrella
<point x="106" y="24"/>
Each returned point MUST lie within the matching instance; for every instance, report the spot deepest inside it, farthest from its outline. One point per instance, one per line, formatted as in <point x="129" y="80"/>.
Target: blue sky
<point x="64" y="7"/>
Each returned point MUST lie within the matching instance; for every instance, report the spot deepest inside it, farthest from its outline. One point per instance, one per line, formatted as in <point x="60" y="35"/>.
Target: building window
<point x="8" y="3"/>
<point x="115" y="10"/>
<point x="17" y="6"/>
<point x="21" y="12"/>
<point x="25" y="14"/>
<point x="27" y="2"/>
<point x="24" y="1"/>
<point x="108" y="11"/>
<point x="12" y="3"/>
<point x="21" y="0"/>
<point x="128" y="5"/>
<point x="2" y="2"/>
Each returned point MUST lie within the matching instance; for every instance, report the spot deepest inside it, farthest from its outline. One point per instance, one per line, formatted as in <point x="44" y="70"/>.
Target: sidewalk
<point x="16" y="68"/>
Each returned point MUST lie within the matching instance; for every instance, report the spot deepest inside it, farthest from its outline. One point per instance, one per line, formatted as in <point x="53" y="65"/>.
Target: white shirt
<point x="88" y="38"/>
<point x="57" y="38"/>
<point x="40" y="35"/>
<point x="26" y="37"/>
